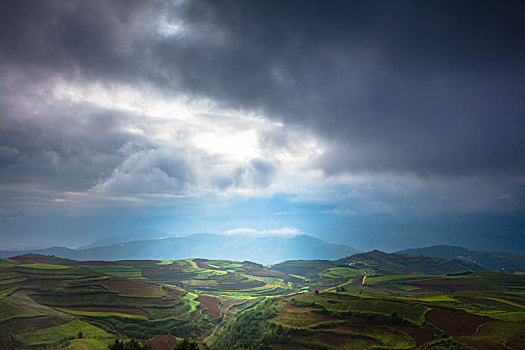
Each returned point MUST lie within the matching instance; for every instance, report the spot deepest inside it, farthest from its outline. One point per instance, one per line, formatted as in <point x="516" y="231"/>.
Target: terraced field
<point x="369" y="301"/>
<point x="140" y="299"/>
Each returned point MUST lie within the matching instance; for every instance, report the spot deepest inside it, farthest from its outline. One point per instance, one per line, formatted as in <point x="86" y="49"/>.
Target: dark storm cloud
<point x="92" y="36"/>
<point x="424" y="87"/>
<point x="429" y="87"/>
<point x="53" y="148"/>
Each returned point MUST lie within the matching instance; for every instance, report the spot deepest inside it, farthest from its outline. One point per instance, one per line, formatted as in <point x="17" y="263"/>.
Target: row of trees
<point x="133" y="344"/>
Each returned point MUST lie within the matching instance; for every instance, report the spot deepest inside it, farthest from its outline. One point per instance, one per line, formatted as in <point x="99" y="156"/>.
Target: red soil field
<point x="483" y="345"/>
<point x="357" y="281"/>
<point x="258" y="271"/>
<point x="455" y="324"/>
<point x="210" y="303"/>
<point x="172" y="291"/>
<point x="11" y="285"/>
<point x="441" y="282"/>
<point x="161" y="343"/>
<point x="226" y="306"/>
<point x="518" y="343"/>
<point x="123" y="310"/>
<point x="332" y="339"/>
<point x="132" y="287"/>
<point x="30" y="324"/>
<point x="355" y="329"/>
<point x="202" y="265"/>
<point x="420" y="335"/>
<point x="161" y="271"/>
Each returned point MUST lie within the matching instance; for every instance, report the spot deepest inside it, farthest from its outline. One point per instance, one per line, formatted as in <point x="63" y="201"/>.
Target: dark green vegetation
<point x="490" y="260"/>
<point x="264" y="250"/>
<point x="133" y="344"/>
<point x="367" y="301"/>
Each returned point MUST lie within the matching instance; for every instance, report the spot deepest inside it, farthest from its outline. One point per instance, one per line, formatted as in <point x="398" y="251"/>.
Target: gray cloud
<point x="427" y="88"/>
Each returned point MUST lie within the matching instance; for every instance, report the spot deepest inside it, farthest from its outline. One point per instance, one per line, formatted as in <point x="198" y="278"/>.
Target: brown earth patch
<point x="483" y="345"/>
<point x="210" y="303"/>
<point x="355" y="329"/>
<point x="161" y="343"/>
<point x="456" y="324"/>
<point x="11" y="285"/>
<point x="262" y="272"/>
<point x="420" y="335"/>
<point x="31" y="324"/>
<point x="440" y="283"/>
<point x="518" y="343"/>
<point x="332" y="339"/>
<point x="173" y="292"/>
<point x="357" y="281"/>
<point x="203" y="265"/>
<point x="226" y="306"/>
<point x="120" y="310"/>
<point x="132" y="287"/>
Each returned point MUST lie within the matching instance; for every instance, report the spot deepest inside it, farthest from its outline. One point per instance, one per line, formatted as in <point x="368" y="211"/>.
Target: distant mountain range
<point x="139" y="235"/>
<point x="159" y="245"/>
<point x="265" y="250"/>
<point x="490" y="260"/>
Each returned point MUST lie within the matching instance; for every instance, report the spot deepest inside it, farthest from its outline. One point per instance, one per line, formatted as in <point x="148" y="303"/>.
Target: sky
<point x="378" y="124"/>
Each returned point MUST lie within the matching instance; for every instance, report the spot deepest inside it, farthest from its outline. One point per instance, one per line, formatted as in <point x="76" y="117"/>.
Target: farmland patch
<point x="456" y="324"/>
<point x="64" y="331"/>
<point x="132" y="288"/>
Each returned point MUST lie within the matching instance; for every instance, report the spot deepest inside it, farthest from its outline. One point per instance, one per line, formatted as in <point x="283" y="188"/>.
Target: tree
<point x="133" y="344"/>
<point x="186" y="344"/>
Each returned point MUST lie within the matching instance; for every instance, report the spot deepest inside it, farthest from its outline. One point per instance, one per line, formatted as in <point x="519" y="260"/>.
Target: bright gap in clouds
<point x="234" y="145"/>
<point x="192" y="146"/>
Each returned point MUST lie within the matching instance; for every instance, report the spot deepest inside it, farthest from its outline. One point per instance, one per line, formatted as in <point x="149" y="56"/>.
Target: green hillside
<point x="490" y="260"/>
<point x="366" y="301"/>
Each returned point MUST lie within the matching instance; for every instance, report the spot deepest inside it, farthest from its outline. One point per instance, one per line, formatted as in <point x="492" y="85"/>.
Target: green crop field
<point x="101" y="314"/>
<point x="87" y="344"/>
<point x="66" y="331"/>
<point x="165" y="262"/>
<point x="45" y="266"/>
<point x="192" y="299"/>
<point x="403" y="304"/>
<point x="341" y="272"/>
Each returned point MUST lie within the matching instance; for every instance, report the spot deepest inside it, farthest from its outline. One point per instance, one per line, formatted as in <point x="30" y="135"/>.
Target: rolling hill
<point x="372" y="300"/>
<point x="491" y="260"/>
<point x="376" y="263"/>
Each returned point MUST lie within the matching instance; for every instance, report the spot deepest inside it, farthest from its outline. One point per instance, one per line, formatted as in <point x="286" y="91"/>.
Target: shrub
<point x="130" y="345"/>
<point x="186" y="344"/>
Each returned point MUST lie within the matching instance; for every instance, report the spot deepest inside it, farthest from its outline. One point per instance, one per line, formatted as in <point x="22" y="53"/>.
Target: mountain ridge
<point x="261" y="249"/>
